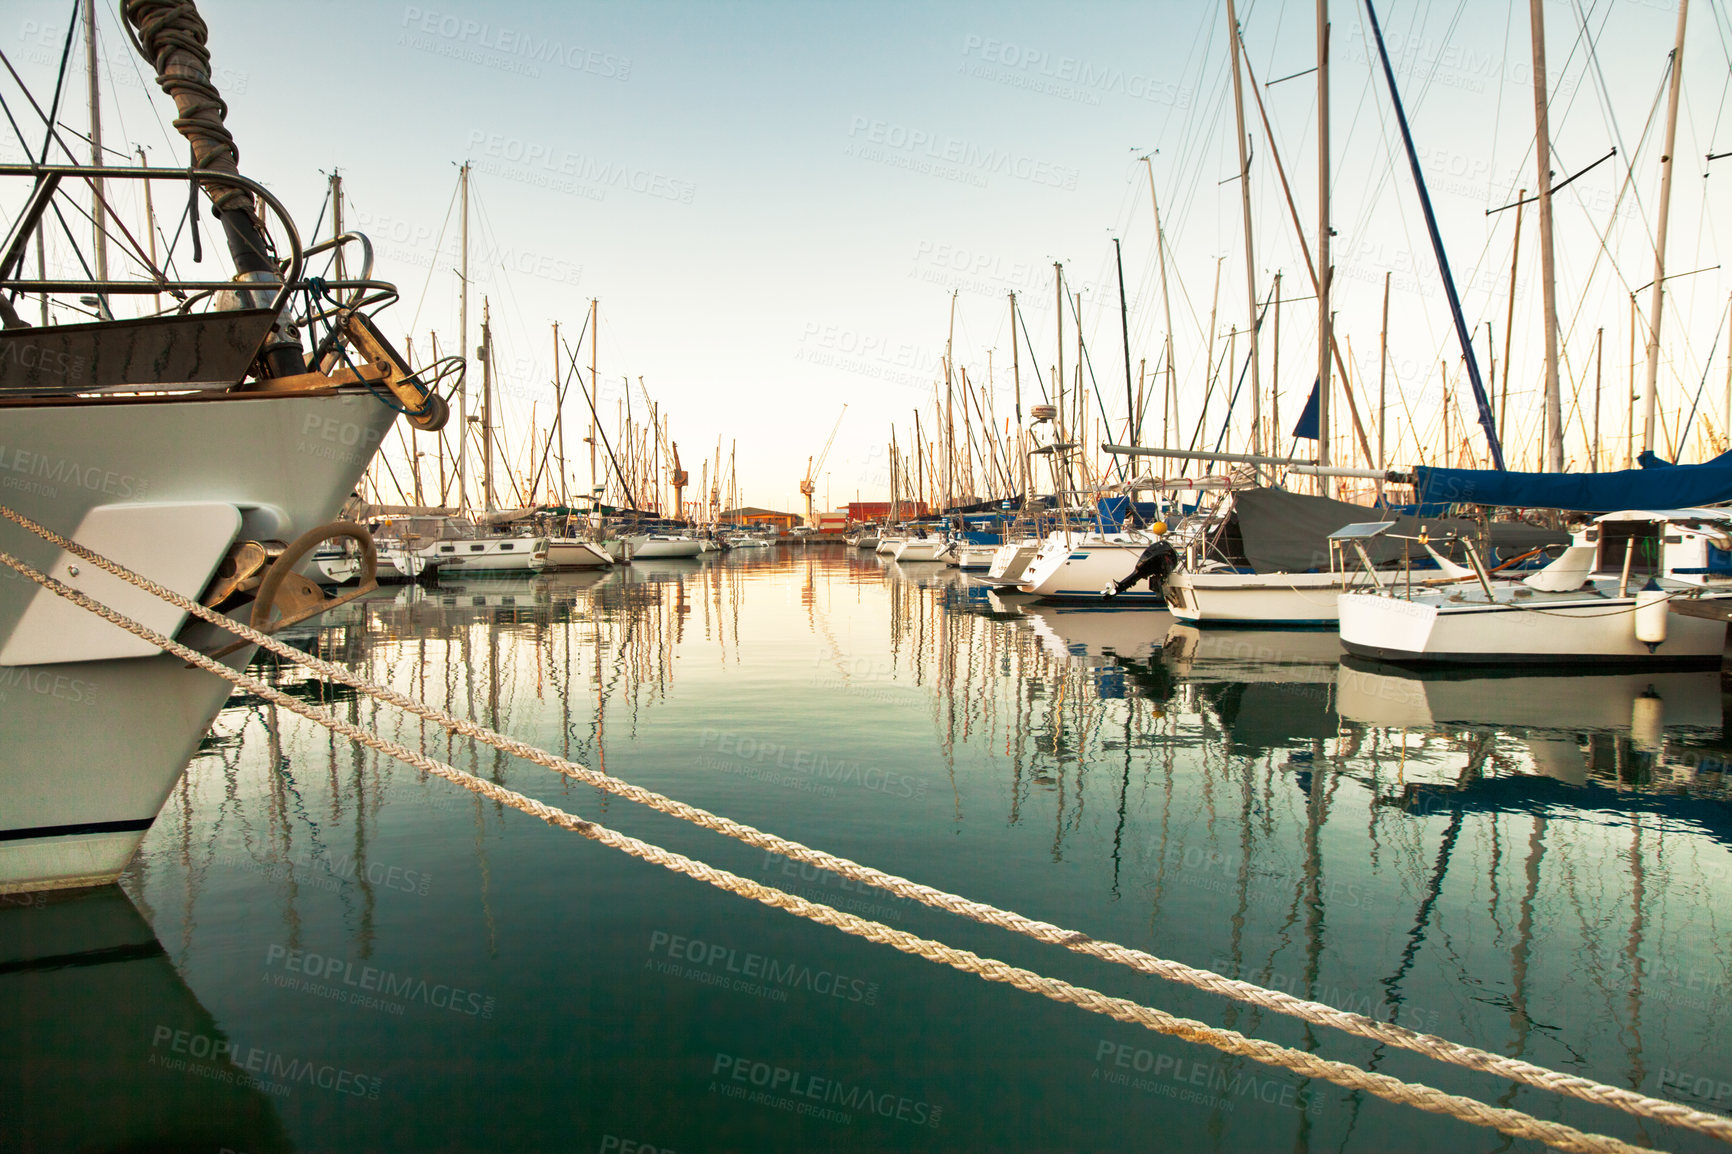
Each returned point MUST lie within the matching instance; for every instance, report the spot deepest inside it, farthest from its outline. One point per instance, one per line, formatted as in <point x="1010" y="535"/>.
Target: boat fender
<point x="1652" y="608"/>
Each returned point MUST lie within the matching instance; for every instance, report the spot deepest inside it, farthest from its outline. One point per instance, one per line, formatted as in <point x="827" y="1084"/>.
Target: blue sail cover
<point x="1659" y="487"/>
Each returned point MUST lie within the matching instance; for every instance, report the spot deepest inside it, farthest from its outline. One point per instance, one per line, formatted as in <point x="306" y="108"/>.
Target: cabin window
<point x="447" y="548"/>
<point x="476" y="548"/>
<point x="1642" y="538"/>
<point x="507" y="546"/>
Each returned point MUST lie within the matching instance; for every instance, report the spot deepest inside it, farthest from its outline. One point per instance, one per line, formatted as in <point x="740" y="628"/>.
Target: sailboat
<point x="187" y="445"/>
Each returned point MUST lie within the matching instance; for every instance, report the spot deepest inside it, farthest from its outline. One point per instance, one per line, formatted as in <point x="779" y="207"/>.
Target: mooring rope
<point x="1514" y="1123"/>
<point x="1440" y="1049"/>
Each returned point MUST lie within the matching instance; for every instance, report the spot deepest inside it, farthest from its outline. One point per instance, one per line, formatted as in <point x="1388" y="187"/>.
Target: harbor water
<point x="321" y="949"/>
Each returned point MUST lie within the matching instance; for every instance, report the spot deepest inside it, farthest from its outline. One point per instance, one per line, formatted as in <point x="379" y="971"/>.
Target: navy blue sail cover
<point x="1660" y="487"/>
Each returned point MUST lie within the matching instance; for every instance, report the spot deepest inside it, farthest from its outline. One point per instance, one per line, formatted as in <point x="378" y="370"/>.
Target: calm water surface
<point x="322" y="949"/>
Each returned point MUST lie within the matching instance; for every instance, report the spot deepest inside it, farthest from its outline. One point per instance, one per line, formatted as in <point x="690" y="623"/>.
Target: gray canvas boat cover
<point x="1282" y="532"/>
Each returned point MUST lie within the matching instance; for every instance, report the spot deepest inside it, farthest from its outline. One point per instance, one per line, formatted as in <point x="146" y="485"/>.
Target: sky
<point x="777" y="205"/>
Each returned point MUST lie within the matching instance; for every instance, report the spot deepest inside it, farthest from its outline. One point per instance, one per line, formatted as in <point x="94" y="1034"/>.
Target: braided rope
<point x="1514" y="1123"/>
<point x="1429" y="1045"/>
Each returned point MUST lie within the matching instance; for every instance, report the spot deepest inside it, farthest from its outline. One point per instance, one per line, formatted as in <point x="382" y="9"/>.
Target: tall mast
<point x="559" y="418"/>
<point x="949" y="414"/>
<point x="1245" y="212"/>
<point x="1325" y="270"/>
<point x="1660" y="231"/>
<point x="1548" y="288"/>
<point x="463" y="345"/>
<point x="149" y="228"/>
<point x="98" y="213"/>
<point x="1172" y="390"/>
<point x="337" y="222"/>
<point x="486" y="355"/>
<point x="594" y="383"/>
<point x="1125" y="333"/>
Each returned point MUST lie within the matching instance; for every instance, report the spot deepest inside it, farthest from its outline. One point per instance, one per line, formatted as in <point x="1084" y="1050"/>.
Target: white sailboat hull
<point x="566" y="553"/>
<point x="921" y="549"/>
<point x="89" y="750"/>
<point x="655" y="547"/>
<point x="1588" y="628"/>
<point x="482" y="555"/>
<point x="1296" y="599"/>
<point x="1076" y="568"/>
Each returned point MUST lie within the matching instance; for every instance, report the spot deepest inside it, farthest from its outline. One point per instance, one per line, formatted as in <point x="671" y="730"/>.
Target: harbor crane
<point x="814" y="466"/>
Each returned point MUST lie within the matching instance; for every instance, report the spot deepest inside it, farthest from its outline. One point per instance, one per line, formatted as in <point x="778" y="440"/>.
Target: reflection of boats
<point x="1617" y="594"/>
<point x="1077" y="632"/>
<point x="1253" y="654"/>
<point x="89" y="1001"/>
<point x="1643" y="702"/>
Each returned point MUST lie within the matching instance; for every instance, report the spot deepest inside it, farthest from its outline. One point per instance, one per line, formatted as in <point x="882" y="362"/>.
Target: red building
<point x="859" y="511"/>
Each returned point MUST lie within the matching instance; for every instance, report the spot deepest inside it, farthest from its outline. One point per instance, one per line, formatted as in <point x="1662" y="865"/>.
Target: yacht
<point x="1640" y="587"/>
<point x="568" y="553"/>
<point x="1074" y="566"/>
<point x="188" y="446"/>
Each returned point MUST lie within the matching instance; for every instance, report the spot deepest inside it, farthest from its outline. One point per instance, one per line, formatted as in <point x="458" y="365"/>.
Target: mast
<point x="149" y="228"/>
<point x="1171" y="395"/>
<point x="1481" y="401"/>
<point x="1125" y="333"/>
<point x="1660" y="231"/>
<point x="594" y="340"/>
<point x="1325" y="270"/>
<point x="486" y="355"/>
<point x="949" y="414"/>
<point x="1382" y="382"/>
<point x="337" y="222"/>
<point x="1509" y="318"/>
<point x="1548" y="287"/>
<point x="559" y="419"/>
<point x="98" y="211"/>
<point x="463" y="345"/>
<point x="1245" y="212"/>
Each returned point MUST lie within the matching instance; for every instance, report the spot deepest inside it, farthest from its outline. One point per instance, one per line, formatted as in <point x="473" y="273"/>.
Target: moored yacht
<point x="1640" y="587"/>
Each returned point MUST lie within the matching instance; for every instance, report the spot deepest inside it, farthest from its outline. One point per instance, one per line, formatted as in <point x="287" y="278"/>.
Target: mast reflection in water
<point x="1533" y="865"/>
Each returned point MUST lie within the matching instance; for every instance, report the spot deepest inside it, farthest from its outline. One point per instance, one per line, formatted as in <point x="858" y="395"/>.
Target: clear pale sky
<point x="773" y="202"/>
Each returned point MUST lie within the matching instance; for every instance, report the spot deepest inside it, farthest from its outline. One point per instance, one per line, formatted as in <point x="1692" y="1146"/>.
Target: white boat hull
<point x="566" y="553"/>
<point x="1222" y="598"/>
<point x="1077" y="568"/>
<point x="90" y="750"/>
<point x="921" y="549"/>
<point x="887" y="546"/>
<point x="655" y="547"/>
<point x="482" y="555"/>
<point x="1550" y="632"/>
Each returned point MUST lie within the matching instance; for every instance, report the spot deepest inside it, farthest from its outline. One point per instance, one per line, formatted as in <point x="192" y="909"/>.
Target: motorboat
<point x="1643" y="587"/>
<point x="921" y="549"/>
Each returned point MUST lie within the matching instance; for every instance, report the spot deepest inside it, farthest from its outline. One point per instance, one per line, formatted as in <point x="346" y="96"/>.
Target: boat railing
<point x="48" y="180"/>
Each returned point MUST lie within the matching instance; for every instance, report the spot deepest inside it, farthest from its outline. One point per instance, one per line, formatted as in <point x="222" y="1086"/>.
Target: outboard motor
<point x="1156" y="563"/>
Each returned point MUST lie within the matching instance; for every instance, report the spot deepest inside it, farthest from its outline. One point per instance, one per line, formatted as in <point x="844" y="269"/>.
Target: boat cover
<point x="1284" y="532"/>
<point x="1660" y="486"/>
